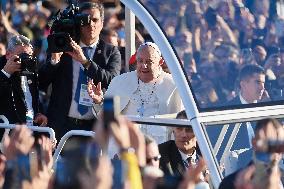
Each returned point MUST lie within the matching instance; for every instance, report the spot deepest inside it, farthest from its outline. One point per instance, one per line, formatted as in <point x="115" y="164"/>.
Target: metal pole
<point x="181" y="83"/>
<point x="129" y="36"/>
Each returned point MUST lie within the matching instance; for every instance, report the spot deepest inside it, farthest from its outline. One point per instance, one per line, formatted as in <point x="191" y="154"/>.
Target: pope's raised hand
<point x="95" y="92"/>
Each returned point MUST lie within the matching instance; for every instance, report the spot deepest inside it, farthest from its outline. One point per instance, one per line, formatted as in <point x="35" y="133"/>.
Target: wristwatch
<point x="87" y="63"/>
<point x="127" y="150"/>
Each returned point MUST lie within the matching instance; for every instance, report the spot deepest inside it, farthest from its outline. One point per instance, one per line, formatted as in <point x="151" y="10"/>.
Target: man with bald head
<point x="148" y="91"/>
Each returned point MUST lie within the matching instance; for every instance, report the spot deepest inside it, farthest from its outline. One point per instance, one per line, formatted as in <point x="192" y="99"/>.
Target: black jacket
<point x="12" y="99"/>
<point x="105" y="66"/>
<point x="171" y="162"/>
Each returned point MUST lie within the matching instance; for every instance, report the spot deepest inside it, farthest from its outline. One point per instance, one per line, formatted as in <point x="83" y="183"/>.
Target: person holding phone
<point x="70" y="107"/>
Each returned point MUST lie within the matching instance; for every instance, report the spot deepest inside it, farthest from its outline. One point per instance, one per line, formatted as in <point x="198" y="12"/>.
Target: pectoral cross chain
<point x="141" y="110"/>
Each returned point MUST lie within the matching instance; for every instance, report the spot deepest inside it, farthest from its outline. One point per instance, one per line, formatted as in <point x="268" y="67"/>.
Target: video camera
<point x="65" y="26"/>
<point x="28" y="64"/>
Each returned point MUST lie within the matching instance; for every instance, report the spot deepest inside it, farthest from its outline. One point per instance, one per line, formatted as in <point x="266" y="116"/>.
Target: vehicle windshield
<point x="232" y="51"/>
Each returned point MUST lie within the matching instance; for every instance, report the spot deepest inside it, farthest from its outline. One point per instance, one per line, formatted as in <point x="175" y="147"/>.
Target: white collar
<point x="185" y="156"/>
<point x="92" y="45"/>
<point x="243" y="101"/>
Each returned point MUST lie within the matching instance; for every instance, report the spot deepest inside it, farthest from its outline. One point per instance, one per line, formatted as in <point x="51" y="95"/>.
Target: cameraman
<point x="69" y="107"/>
<point x="19" y="97"/>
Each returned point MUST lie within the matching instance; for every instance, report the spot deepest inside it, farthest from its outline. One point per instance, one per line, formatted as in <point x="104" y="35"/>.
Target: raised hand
<point x="120" y="132"/>
<point x="95" y="92"/>
<point x="192" y="175"/>
<point x="42" y="180"/>
<point x="98" y="177"/>
<point x="20" y="142"/>
<point x="13" y="65"/>
<point x="77" y="53"/>
<point x="46" y="146"/>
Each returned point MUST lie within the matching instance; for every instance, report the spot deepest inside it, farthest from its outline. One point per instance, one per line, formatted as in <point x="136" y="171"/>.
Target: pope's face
<point x="148" y="64"/>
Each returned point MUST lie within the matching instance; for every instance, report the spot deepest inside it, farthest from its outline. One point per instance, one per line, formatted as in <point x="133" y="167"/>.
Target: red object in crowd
<point x="132" y="59"/>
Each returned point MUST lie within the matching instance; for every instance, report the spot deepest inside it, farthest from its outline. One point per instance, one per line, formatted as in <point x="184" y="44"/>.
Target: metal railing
<point x="66" y="137"/>
<point x="8" y="127"/>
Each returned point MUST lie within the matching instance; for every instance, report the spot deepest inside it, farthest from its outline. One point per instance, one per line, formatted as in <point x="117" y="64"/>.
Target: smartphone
<point x="110" y="110"/>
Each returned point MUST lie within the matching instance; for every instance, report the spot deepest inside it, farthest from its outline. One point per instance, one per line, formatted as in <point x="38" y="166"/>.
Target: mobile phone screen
<point x="110" y="110"/>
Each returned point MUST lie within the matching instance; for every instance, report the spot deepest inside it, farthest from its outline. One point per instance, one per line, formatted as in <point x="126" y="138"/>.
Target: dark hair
<point x="181" y="115"/>
<point x="264" y="122"/>
<point x="249" y="70"/>
<point x="92" y="5"/>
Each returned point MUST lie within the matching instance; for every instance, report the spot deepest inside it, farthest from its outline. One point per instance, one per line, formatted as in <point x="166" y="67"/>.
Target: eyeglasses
<point x="156" y="158"/>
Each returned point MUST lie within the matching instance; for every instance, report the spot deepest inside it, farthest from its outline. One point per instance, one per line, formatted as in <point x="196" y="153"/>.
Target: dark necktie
<point x="86" y="51"/>
<point x="82" y="79"/>
<point x="187" y="162"/>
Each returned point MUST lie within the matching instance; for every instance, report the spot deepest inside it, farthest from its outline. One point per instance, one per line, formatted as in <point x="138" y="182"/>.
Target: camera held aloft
<point x="65" y="26"/>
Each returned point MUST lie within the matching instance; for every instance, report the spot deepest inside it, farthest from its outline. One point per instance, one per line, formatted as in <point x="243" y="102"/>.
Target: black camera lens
<point x="60" y="42"/>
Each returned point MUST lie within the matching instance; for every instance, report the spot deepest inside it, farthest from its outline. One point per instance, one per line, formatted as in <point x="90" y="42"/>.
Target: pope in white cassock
<point x="146" y="92"/>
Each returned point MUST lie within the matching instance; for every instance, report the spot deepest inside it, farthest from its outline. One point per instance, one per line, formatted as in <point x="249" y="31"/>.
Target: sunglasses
<point x="156" y="158"/>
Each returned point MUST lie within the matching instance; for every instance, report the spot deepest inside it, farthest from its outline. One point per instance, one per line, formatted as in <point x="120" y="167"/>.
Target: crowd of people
<point x="216" y="39"/>
<point x="232" y="52"/>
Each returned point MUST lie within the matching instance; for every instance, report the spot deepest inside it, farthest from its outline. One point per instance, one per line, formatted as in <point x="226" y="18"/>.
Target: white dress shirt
<point x="28" y="97"/>
<point x="73" y="112"/>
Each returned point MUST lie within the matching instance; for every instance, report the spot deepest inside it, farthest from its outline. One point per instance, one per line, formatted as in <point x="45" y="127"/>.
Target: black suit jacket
<point x="106" y="65"/>
<point x="12" y="99"/>
<point x="171" y="161"/>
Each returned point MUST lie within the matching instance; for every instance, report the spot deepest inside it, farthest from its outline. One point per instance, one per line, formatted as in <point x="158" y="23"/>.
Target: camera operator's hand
<point x="95" y="92"/>
<point x="20" y="142"/>
<point x="12" y="65"/>
<point x="77" y="53"/>
<point x="55" y="57"/>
